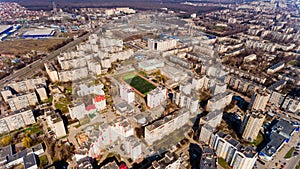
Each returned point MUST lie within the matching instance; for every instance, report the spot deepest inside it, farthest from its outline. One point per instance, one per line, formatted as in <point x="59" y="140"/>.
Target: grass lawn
<point x="298" y="166"/>
<point x="43" y="160"/>
<point x="84" y="121"/>
<point x="223" y="163"/>
<point x="139" y="83"/>
<point x="33" y="129"/>
<point x="62" y="105"/>
<point x="293" y="62"/>
<point x="289" y="154"/>
<point x="258" y="139"/>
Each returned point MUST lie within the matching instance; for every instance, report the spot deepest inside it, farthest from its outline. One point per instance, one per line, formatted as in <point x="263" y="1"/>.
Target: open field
<point x="23" y="46"/>
<point x="139" y="83"/>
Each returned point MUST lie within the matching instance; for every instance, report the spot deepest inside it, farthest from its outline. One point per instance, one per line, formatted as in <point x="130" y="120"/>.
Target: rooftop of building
<point x="6" y="151"/>
<point x="166" y="119"/>
<point x="29" y="161"/>
<point x="141" y="119"/>
<point x="209" y="158"/>
<point x="151" y="62"/>
<point x="277" y="65"/>
<point x="111" y="165"/>
<point x="46" y="31"/>
<point x="25" y="109"/>
<point x="212" y="115"/>
<point x="124" y="106"/>
<point x="219" y="96"/>
<point x="247" y="151"/>
<point x="3" y="28"/>
<point x="272" y="147"/>
<point x="284" y="127"/>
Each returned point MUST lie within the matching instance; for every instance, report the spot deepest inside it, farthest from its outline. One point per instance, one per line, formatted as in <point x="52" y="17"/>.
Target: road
<point x="31" y="68"/>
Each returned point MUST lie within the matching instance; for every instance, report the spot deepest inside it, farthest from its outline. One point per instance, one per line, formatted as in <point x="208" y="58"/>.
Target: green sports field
<point x="140" y="84"/>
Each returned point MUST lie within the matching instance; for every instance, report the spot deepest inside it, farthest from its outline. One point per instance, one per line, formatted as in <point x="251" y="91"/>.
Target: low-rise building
<point x="85" y="90"/>
<point x="77" y="111"/>
<point x="281" y="133"/>
<point x="100" y="102"/>
<point x="124" y="109"/>
<point x="175" y="74"/>
<point x="152" y="64"/>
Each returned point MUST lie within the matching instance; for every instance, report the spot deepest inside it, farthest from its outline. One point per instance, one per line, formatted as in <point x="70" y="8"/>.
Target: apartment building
<point x="127" y="93"/>
<point x="259" y="100"/>
<point x="219" y="101"/>
<point x="156" y="97"/>
<point x="52" y="72"/>
<point x="162" y="44"/>
<point x="17" y="119"/>
<point x="133" y="148"/>
<point x="236" y="155"/>
<point x="23" y="100"/>
<point x="251" y="125"/>
<point x="160" y="128"/>
<point x="55" y="122"/>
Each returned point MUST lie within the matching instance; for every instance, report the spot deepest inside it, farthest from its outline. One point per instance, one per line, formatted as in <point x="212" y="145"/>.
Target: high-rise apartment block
<point x="236" y="155"/>
<point x="156" y="97"/>
<point x="16" y="120"/>
<point x="251" y="125"/>
<point x="127" y="93"/>
<point x="162" y="44"/>
<point x="259" y="100"/>
<point x="160" y="128"/>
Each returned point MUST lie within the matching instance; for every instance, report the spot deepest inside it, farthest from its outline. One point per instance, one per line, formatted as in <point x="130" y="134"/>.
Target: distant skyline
<point x="138" y="4"/>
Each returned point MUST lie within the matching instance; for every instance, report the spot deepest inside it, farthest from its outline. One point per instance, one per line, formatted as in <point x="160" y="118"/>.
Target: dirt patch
<point x="23" y="46"/>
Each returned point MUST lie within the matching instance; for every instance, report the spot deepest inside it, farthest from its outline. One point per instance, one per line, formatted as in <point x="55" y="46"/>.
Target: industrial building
<point x="39" y="33"/>
<point x="5" y="29"/>
<point x="281" y="133"/>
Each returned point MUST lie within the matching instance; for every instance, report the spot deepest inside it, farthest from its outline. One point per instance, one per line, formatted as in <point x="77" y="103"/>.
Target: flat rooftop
<point x="3" y="28"/>
<point x="39" y="32"/>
